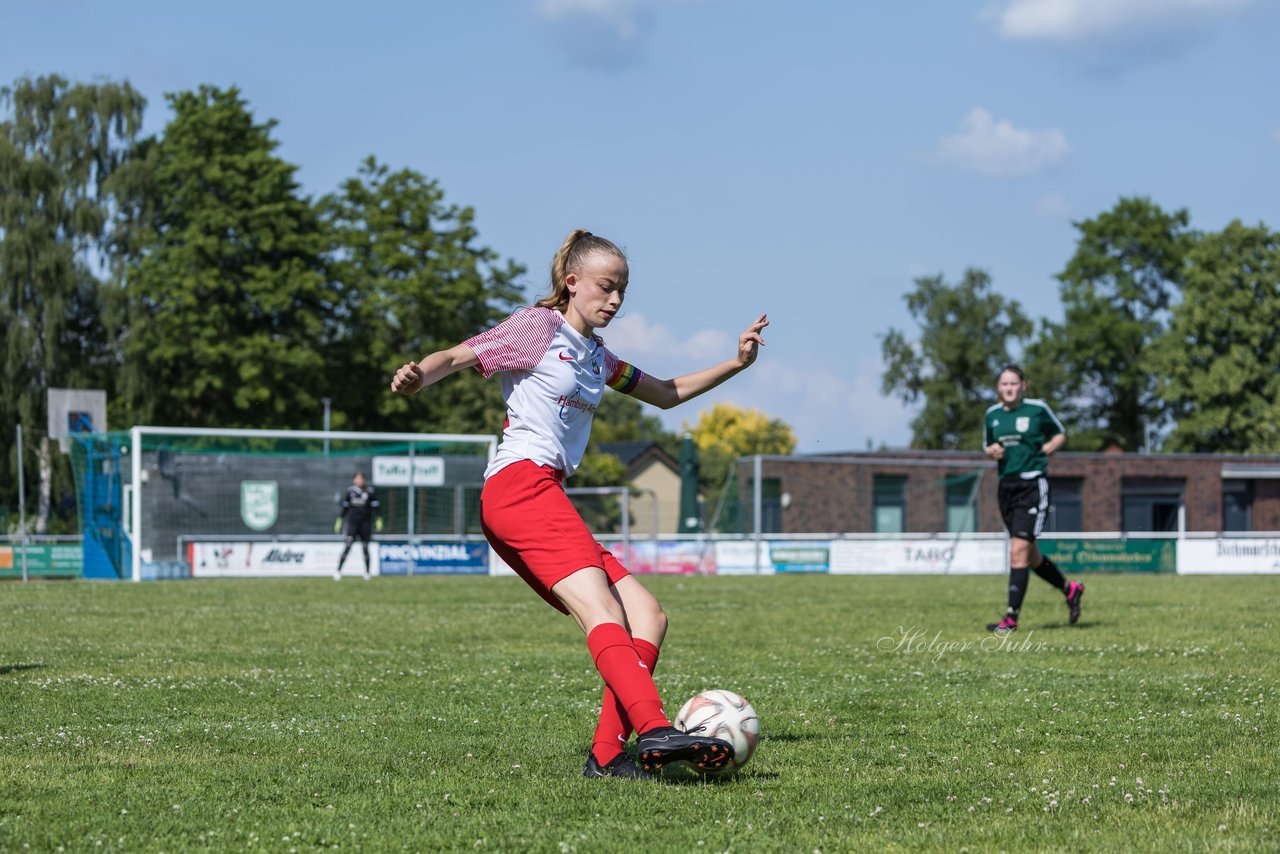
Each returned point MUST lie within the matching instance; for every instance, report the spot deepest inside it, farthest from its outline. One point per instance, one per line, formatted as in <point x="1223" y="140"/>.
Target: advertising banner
<point x="1229" y="556"/>
<point x="1074" y="555"/>
<point x="670" y="557"/>
<point x="801" y="557"/>
<point x="934" y="556"/>
<point x="255" y="560"/>
<point x="394" y="471"/>
<point x="739" y="557"/>
<point x="46" y="560"/>
<point x="433" y="558"/>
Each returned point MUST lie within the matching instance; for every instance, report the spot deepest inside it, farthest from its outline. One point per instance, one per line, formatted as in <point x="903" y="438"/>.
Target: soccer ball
<point x="726" y="715"/>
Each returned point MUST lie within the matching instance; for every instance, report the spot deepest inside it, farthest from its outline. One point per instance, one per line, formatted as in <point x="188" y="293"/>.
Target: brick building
<point x="949" y="491"/>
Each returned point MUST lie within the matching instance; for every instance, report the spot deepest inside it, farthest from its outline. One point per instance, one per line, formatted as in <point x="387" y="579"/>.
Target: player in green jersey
<point x="1020" y="434"/>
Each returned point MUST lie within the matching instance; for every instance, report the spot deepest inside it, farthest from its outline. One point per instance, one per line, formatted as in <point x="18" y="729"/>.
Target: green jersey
<point x="1022" y="431"/>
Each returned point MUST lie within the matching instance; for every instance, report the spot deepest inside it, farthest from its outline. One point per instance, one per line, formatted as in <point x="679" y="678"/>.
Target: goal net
<point x="172" y="502"/>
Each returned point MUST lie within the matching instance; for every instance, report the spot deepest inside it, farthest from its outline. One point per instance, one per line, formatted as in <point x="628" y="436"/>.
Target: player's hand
<point x="408" y="380"/>
<point x="377" y="524"/>
<point x="995" y="450"/>
<point x="750" y="342"/>
<point x="337" y="525"/>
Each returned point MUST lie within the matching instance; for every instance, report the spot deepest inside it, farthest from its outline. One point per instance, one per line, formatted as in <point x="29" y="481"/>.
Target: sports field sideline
<point x="454" y="713"/>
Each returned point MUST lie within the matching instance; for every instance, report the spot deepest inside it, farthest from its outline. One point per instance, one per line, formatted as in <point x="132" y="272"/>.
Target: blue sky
<point x="808" y="159"/>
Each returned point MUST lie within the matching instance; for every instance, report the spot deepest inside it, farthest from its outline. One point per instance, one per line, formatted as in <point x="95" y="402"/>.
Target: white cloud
<point x="1073" y="20"/>
<point x="1052" y="206"/>
<point x="997" y="148"/>
<point x="633" y="337"/>
<point x="606" y="35"/>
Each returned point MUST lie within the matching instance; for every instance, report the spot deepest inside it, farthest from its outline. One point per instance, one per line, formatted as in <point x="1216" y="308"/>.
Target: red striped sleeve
<point x="517" y="343"/>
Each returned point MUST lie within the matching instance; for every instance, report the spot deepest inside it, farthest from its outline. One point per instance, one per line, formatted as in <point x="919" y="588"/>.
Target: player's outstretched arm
<point x="668" y="393"/>
<point x="413" y="377"/>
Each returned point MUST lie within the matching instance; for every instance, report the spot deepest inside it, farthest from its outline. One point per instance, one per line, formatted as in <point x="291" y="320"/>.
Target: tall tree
<point x="965" y="333"/>
<point x="412" y="280"/>
<point x="1217" y="362"/>
<point x="60" y="145"/>
<point x="228" y="298"/>
<point x="1127" y="270"/>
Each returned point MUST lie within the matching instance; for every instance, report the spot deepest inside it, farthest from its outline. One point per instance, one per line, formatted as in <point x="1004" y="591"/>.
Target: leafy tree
<point x="1127" y="269"/>
<point x="60" y="147"/>
<point x="726" y="433"/>
<point x="1218" y="359"/>
<point x="411" y="280"/>
<point x="228" y="303"/>
<point x="965" y="332"/>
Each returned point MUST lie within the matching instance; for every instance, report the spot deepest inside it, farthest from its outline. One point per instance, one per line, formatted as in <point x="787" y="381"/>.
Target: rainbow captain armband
<point x="625" y="377"/>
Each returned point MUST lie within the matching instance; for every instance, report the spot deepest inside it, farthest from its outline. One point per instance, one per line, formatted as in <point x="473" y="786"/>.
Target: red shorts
<point x="534" y="527"/>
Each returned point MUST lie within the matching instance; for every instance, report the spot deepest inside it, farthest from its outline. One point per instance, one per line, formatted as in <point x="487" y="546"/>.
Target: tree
<point x="1116" y="290"/>
<point x="228" y="303"/>
<point x="411" y="280"/>
<point x="965" y="333"/>
<point x="59" y="150"/>
<point x="1218" y="359"/>
<point x="726" y="433"/>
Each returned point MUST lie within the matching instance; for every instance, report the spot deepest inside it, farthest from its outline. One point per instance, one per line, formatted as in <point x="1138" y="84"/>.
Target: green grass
<point x="454" y="713"/>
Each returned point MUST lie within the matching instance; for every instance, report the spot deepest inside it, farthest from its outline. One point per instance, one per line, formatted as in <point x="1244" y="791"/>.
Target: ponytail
<point x="569" y="258"/>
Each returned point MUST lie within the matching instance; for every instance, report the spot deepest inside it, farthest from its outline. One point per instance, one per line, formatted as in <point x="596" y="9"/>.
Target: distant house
<point x="649" y="468"/>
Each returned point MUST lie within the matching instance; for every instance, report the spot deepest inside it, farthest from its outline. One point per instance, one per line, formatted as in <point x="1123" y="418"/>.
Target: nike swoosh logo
<point x="565" y="358"/>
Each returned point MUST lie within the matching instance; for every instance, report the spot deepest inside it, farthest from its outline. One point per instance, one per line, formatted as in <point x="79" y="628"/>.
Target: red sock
<point x="627" y="675"/>
<point x="613" y="729"/>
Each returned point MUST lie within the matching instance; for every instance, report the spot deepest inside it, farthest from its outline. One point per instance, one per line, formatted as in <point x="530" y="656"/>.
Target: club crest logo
<point x="259" y="503"/>
<point x="1023" y="424"/>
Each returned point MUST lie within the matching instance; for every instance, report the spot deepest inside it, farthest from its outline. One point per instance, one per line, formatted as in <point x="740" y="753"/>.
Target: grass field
<point x="454" y="713"/>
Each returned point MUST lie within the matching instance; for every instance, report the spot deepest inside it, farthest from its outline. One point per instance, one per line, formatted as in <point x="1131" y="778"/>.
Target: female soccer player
<point x="554" y="370"/>
<point x="1021" y="434"/>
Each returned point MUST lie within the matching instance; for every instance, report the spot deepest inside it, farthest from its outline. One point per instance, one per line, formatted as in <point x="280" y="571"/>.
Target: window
<point x="1237" y="505"/>
<point x="1151" y="504"/>
<point x="889" y="500"/>
<point x="962" y="503"/>
<point x="771" y="505"/>
<point x="1066" y="505"/>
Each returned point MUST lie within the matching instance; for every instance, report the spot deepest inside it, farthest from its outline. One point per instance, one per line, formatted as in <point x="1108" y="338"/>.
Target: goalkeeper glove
<point x="377" y="524"/>
<point x="337" y="525"/>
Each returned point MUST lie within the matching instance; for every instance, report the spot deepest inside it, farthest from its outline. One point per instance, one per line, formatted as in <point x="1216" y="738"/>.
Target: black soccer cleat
<point x="665" y="744"/>
<point x="620" y="766"/>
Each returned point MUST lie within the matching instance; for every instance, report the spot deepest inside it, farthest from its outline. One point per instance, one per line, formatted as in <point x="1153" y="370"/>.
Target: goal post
<point x="187" y="485"/>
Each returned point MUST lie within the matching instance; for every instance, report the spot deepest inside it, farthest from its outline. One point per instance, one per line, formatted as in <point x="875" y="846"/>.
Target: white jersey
<point x="552" y="380"/>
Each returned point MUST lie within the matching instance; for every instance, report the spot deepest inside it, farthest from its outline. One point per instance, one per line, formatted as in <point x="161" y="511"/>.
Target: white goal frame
<point x="135" y="463"/>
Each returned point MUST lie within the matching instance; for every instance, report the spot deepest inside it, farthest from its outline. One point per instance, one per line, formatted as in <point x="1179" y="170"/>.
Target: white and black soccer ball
<point x="726" y="715"/>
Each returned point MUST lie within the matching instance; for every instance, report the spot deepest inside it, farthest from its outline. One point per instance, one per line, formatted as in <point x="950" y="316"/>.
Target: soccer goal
<point x="173" y="501"/>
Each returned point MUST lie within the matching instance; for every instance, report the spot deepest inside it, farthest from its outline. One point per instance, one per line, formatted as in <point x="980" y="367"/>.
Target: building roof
<point x="639" y="455"/>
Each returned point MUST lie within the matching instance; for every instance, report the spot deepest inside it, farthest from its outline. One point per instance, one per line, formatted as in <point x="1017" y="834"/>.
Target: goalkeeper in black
<point x="359" y="517"/>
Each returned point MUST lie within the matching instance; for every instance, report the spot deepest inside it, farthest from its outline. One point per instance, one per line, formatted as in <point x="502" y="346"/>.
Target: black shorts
<point x="357" y="529"/>
<point x="1024" y="504"/>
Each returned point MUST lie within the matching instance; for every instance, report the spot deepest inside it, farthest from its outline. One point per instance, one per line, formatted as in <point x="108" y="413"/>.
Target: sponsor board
<point x="433" y="558"/>
<point x="64" y="560"/>
<point x="256" y="560"/>
<point x="742" y="557"/>
<point x="394" y="471"/>
<point x="800" y="557"/>
<point x="1075" y="555"/>
<point x="1229" y="556"/>
<point x="671" y="557"/>
<point x="933" y="556"/>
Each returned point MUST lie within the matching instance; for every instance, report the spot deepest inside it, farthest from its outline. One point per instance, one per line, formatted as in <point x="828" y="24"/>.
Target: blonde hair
<point x="570" y="257"/>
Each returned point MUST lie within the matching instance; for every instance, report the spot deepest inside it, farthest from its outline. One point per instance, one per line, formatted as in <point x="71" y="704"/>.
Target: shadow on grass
<point x="682" y="775"/>
<point x="15" y="668"/>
